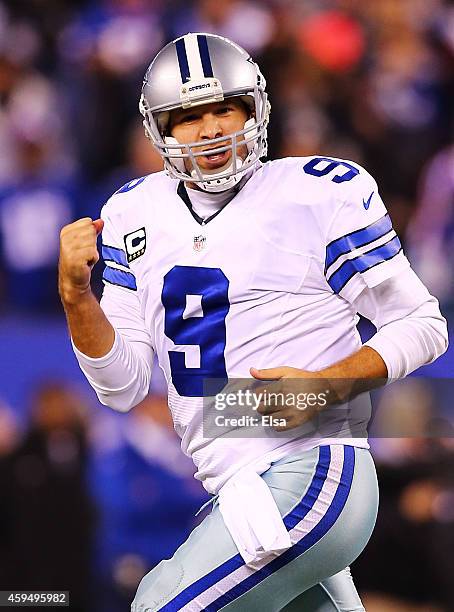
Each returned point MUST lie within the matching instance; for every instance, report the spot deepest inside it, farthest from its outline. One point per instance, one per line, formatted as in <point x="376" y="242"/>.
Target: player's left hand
<point x="282" y="380"/>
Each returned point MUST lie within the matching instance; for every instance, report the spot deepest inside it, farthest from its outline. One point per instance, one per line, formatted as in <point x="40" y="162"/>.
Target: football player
<point x="227" y="267"/>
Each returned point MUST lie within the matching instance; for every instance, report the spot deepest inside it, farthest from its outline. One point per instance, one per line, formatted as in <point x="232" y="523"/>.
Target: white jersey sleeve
<point x="362" y="247"/>
<point x="411" y="329"/>
<point x="121" y="379"/>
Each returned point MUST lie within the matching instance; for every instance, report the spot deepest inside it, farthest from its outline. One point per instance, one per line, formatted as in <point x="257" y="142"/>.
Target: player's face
<point x="209" y="121"/>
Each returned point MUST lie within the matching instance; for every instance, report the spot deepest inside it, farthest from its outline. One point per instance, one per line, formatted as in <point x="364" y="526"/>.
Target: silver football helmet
<point x="198" y="69"/>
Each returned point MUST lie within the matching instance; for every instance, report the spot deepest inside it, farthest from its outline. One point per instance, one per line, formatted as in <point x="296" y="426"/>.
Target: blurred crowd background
<point x="91" y="500"/>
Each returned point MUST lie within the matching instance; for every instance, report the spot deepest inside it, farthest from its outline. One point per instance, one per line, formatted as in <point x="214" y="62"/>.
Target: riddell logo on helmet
<point x="203" y="86"/>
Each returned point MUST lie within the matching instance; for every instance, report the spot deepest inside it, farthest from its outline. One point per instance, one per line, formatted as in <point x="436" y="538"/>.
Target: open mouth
<point x="216" y="158"/>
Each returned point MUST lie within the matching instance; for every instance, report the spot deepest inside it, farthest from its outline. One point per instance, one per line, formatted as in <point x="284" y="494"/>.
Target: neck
<point x="189" y="185"/>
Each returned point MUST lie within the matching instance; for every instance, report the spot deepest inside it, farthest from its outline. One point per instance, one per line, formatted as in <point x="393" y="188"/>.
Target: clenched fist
<point x="78" y="255"/>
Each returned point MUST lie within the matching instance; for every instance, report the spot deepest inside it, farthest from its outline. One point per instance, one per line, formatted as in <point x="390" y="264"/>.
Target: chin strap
<point x="216" y="182"/>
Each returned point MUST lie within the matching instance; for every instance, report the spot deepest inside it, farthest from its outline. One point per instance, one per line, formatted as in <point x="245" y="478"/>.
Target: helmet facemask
<point x="174" y="154"/>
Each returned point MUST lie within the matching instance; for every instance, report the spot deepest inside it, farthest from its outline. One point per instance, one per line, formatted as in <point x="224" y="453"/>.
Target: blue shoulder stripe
<point x="357" y="239"/>
<point x="111" y="253"/>
<point x="129" y="186"/>
<point x="120" y="278"/>
<point x="364" y="262"/>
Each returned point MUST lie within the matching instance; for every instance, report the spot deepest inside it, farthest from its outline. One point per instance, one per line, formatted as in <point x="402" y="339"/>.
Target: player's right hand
<point x="78" y="255"/>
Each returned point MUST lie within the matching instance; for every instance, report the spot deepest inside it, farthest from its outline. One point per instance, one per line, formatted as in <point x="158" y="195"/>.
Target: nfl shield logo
<point x="199" y="243"/>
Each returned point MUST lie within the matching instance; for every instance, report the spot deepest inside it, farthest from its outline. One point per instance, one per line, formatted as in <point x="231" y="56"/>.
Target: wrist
<point x="340" y="382"/>
<point x="74" y="296"/>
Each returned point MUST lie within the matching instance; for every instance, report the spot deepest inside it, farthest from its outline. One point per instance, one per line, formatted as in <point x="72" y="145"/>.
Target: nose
<point x="211" y="127"/>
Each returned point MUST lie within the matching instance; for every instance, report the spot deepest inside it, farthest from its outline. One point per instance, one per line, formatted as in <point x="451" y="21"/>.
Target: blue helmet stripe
<point x="205" y="56"/>
<point x="182" y="60"/>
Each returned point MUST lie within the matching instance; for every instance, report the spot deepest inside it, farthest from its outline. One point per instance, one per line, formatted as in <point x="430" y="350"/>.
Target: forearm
<point x="411" y="333"/>
<point x="365" y="363"/>
<point x="360" y="372"/>
<point x="90" y="330"/>
<point x="115" y="357"/>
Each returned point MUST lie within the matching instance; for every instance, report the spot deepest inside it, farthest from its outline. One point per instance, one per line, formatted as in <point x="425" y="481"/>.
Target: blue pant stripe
<point x="304" y="544"/>
<point x="204" y="583"/>
<point x="300" y="511"/>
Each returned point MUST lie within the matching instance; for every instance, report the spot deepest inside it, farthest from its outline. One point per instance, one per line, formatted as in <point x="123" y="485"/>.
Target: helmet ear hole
<point x="249" y="105"/>
<point x="162" y="120"/>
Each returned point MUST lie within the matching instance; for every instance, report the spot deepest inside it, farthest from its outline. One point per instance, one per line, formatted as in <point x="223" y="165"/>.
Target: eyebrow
<point x="180" y="114"/>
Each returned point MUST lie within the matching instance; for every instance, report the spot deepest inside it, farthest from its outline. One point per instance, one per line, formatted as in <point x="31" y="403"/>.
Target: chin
<point x="214" y="169"/>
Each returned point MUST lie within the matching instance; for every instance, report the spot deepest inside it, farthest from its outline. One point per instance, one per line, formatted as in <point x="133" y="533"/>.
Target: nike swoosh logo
<point x="366" y="203"/>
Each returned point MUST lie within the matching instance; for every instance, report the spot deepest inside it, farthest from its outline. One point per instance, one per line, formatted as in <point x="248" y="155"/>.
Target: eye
<point x="189" y="118"/>
<point x="223" y="110"/>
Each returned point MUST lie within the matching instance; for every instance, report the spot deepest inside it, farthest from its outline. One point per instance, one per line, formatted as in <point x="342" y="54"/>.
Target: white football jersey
<point x="268" y="281"/>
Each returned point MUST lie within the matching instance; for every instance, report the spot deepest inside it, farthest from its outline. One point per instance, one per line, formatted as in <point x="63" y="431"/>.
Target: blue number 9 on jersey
<point x="332" y="164"/>
<point x="205" y="330"/>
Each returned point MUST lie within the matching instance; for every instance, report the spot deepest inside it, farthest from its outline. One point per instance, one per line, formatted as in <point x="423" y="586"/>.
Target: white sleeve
<point x="121" y="379"/>
<point x="411" y="329"/>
